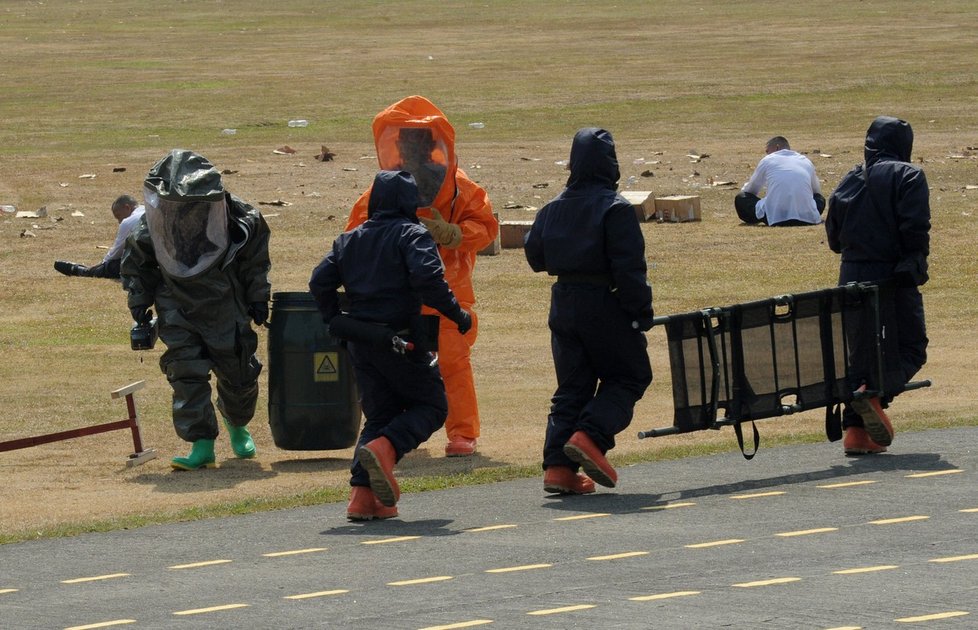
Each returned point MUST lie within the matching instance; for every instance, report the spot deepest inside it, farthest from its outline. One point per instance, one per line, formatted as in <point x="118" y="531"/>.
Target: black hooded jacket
<point x="590" y="229"/>
<point x="880" y="212"/>
<point x="389" y="265"/>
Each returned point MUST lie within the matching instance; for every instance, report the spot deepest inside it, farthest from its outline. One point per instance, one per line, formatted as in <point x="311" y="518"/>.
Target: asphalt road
<point x="799" y="537"/>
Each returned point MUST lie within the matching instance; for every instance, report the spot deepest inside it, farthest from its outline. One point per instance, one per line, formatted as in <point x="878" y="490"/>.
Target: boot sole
<point x="176" y="466"/>
<point x="367" y="517"/>
<point x="552" y="489"/>
<point x="875" y="425"/>
<point x="857" y="452"/>
<point x="379" y="483"/>
<point x="592" y="470"/>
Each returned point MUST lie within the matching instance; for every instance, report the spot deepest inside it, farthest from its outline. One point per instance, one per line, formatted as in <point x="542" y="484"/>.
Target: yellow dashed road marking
<point x="715" y="543"/>
<point x="902" y="519"/>
<point x="194" y="565"/>
<point x="7" y="590"/>
<point x="935" y="473"/>
<point x="200" y="611"/>
<point x="337" y="591"/>
<point x="461" y="624"/>
<point x="556" y="611"/>
<point x="670" y="506"/>
<point x="389" y="540"/>
<point x="846" y="628"/>
<point x="934" y="617"/>
<point x="807" y="532"/>
<point x="95" y="578"/>
<point x="427" y="580"/>
<point x="846" y="484"/>
<point x="581" y="517"/>
<point x="618" y="556"/>
<point x="970" y="510"/>
<point x="489" y="528"/>
<point x="973" y="556"/>
<point x="881" y="567"/>
<point x="657" y="596"/>
<point x="758" y="495"/>
<point x="525" y="567"/>
<point x="104" y="624"/>
<point x="772" y="582"/>
<point x="294" y="552"/>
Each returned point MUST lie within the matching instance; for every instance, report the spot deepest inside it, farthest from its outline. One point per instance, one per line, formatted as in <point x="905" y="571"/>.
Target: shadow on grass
<point x="317" y="464"/>
<point x="228" y="474"/>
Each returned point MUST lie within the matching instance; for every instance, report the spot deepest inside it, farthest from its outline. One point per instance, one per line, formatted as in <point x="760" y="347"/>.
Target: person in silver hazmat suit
<point x="200" y="255"/>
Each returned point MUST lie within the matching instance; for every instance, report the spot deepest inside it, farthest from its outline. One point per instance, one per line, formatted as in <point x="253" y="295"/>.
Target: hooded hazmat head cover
<point x="393" y="193"/>
<point x="186" y="213"/>
<point x="889" y="137"/>
<point x="414" y="135"/>
<point x="593" y="159"/>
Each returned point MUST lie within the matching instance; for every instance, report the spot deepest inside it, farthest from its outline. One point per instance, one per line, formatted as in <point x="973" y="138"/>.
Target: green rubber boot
<point x="241" y="442"/>
<point x="201" y="456"/>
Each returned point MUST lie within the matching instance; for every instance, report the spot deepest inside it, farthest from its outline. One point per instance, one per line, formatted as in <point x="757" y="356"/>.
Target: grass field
<point x="105" y="88"/>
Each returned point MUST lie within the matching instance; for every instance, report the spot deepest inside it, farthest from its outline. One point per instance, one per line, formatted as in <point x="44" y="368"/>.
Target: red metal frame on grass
<point x="131" y="422"/>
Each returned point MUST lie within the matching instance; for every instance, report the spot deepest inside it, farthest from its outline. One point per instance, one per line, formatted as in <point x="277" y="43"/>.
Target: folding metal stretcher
<point x="780" y="356"/>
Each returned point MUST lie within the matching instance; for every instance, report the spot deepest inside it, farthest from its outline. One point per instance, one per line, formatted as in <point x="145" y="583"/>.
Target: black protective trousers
<point x="602" y="366"/>
<point x="402" y="400"/>
<point x="903" y="330"/>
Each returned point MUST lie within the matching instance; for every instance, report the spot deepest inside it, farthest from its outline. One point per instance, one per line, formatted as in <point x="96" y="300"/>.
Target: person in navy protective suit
<point x="879" y="220"/>
<point x="389" y="266"/>
<point x="600" y="307"/>
<point x="200" y="255"/>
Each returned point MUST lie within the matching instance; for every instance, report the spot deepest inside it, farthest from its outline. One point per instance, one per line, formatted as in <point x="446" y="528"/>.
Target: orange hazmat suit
<point x="414" y="135"/>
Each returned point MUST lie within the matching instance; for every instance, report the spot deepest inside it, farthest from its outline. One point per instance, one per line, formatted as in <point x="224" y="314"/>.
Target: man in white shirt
<point x="128" y="213"/>
<point x="794" y="195"/>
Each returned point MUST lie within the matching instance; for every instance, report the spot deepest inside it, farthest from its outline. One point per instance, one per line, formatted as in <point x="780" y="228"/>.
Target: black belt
<point x="600" y="279"/>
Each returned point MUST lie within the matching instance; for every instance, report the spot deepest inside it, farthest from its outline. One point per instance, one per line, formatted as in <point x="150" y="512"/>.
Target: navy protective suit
<point x="879" y="220"/>
<point x="590" y="239"/>
<point x="389" y="266"/>
<point x="204" y="316"/>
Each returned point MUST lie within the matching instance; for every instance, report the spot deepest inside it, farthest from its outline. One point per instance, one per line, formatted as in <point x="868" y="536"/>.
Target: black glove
<point x="69" y="268"/>
<point x="464" y="322"/>
<point x="911" y="271"/>
<point x="642" y="323"/>
<point x="642" y="320"/>
<point x="258" y="312"/>
<point x="141" y="314"/>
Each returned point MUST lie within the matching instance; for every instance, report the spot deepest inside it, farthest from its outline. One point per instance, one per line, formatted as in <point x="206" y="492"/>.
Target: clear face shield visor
<point x="415" y="150"/>
<point x="189" y="236"/>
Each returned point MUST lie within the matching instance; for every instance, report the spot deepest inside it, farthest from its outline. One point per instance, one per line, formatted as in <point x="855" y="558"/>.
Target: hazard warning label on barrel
<point x="325" y="366"/>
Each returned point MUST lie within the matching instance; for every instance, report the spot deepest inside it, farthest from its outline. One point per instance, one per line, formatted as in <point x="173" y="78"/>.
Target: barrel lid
<point x="292" y="296"/>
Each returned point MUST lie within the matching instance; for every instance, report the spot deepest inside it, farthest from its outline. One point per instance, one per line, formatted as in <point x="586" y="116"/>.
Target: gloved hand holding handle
<point x="258" y="312"/>
<point x="141" y="314"/>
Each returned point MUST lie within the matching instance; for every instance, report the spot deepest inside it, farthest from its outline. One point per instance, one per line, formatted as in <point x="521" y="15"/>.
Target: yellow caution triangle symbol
<point x="326" y="366"/>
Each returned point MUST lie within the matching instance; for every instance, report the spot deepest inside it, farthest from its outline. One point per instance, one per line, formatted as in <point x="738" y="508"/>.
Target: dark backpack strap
<point x="833" y="423"/>
<point x="740" y="439"/>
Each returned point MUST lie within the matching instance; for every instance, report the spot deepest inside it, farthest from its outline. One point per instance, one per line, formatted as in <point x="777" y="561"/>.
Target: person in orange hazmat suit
<point x="415" y="136"/>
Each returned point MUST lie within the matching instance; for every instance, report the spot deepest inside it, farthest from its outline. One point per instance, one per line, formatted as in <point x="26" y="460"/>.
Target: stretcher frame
<point x="131" y="422"/>
<point x="777" y="357"/>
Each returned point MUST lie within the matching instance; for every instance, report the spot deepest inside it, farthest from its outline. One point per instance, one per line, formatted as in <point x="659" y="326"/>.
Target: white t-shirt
<point x="124" y="229"/>
<point x="791" y="183"/>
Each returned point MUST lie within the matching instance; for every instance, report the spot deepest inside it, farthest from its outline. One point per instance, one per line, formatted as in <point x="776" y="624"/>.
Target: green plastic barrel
<point x="312" y="393"/>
